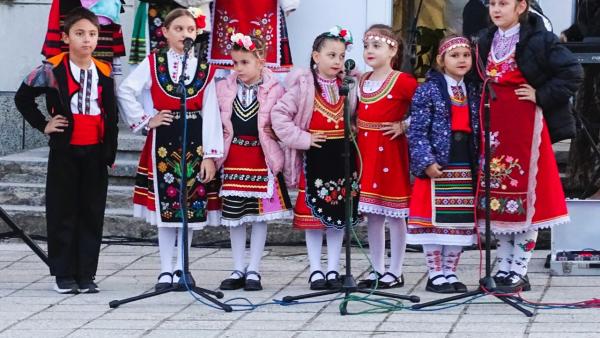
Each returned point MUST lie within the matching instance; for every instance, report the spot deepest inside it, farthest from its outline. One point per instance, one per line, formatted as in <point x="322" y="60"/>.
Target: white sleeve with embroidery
<point x="212" y="128"/>
<point x="136" y="85"/>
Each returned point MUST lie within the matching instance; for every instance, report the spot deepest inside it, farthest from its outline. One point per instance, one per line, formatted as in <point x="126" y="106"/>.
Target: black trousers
<point x="76" y="188"/>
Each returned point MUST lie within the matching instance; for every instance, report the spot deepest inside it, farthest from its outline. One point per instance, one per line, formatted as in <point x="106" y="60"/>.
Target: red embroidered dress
<point x="156" y="192"/>
<point x="321" y="191"/>
<point x="385" y="181"/>
<point x="526" y="191"/>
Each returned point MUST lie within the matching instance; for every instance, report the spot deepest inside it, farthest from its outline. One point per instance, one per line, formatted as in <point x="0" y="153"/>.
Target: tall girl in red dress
<point x="384" y="99"/>
<point x="533" y="78"/>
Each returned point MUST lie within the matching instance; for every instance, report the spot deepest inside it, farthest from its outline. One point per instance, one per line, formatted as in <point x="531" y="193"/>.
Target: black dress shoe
<point x="234" y="283"/>
<point x="317" y="284"/>
<point x="441" y="288"/>
<point x="335" y="282"/>
<point x="395" y="283"/>
<point x="369" y="283"/>
<point x="163" y="285"/>
<point x="253" y="284"/>
<point x="458" y="286"/>
<point x="514" y="282"/>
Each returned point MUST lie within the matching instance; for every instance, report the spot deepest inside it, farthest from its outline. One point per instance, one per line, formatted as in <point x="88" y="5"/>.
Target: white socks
<point x="166" y="247"/>
<point x="451" y="256"/>
<point x="433" y="257"/>
<point x="335" y="239"/>
<point x="376" y="236"/>
<point x="314" y="243"/>
<point x="514" y="251"/>
<point x="258" y="238"/>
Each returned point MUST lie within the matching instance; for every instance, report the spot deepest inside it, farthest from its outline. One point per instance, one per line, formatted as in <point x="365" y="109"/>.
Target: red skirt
<point x="385" y="182"/>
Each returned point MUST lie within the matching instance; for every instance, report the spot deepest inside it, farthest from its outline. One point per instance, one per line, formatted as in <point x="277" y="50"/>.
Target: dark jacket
<point x="51" y="79"/>
<point x="429" y="133"/>
<point x="547" y="66"/>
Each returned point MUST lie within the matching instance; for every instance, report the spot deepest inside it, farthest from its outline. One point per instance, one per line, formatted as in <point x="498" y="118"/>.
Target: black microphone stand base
<point x="349" y="287"/>
<point x="487" y="287"/>
<point x="179" y="287"/>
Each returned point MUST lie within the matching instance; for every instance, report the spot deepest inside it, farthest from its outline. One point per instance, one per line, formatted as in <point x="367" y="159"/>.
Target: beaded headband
<point x="382" y="38"/>
<point x="454" y="43"/>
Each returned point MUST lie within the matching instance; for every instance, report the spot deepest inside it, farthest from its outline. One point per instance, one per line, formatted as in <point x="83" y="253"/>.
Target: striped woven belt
<point x="191" y="114"/>
<point x="331" y="134"/>
<point x="369" y="125"/>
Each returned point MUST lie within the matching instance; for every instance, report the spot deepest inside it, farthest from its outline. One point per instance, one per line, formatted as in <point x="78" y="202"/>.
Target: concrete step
<point x="129" y="141"/>
<point x="119" y="222"/>
<point x="34" y="194"/>
<point x="30" y="167"/>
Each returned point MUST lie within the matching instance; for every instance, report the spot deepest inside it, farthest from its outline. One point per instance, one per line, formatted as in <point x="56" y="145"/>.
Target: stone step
<point x="30" y="167"/>
<point x="34" y="194"/>
<point x="119" y="222"/>
<point x="129" y="141"/>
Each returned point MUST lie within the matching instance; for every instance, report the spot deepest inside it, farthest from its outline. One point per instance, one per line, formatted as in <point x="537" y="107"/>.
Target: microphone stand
<point x="19" y="232"/>
<point x="487" y="285"/>
<point x="349" y="285"/>
<point x="186" y="281"/>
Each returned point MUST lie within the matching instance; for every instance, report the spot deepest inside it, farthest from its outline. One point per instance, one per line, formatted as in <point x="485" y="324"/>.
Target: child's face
<point x="82" y="38"/>
<point x="457" y="62"/>
<point x="330" y="59"/>
<point x="505" y="13"/>
<point x="378" y="54"/>
<point x="247" y="66"/>
<point x="179" y="29"/>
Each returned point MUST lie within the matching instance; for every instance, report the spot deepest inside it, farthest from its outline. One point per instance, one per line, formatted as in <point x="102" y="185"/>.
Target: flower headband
<point x="243" y="41"/>
<point x="199" y="17"/>
<point x="341" y="33"/>
<point x="454" y="43"/>
<point x="382" y="38"/>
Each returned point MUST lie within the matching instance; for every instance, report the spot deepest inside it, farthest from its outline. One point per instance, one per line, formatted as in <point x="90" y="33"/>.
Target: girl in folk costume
<point x="384" y="99"/>
<point x="309" y="120"/>
<point x="253" y="190"/>
<point x="156" y="195"/>
<point x="533" y="78"/>
<point x="443" y="139"/>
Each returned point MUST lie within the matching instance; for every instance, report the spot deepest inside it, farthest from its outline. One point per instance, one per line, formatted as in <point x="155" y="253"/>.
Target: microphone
<point x="188" y="43"/>
<point x="349" y="65"/>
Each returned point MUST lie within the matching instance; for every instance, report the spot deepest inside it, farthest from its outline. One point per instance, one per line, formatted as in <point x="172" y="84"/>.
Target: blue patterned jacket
<point x="429" y="133"/>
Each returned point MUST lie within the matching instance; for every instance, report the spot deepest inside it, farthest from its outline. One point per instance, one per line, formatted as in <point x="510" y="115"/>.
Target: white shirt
<point x="136" y="89"/>
<point x="450" y="82"/>
<point x="86" y="100"/>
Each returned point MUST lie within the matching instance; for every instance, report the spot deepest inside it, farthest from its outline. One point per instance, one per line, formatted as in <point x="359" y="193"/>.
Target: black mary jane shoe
<point x="253" y="284"/>
<point x="500" y="278"/>
<point x="334" y="283"/>
<point x="160" y="286"/>
<point x="317" y="284"/>
<point x="441" y="288"/>
<point x="459" y="287"/>
<point x="369" y="283"/>
<point x="395" y="283"/>
<point x="234" y="283"/>
<point x="515" y="282"/>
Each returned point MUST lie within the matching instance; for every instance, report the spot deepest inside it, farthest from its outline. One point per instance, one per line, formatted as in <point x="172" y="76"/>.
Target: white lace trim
<point x="279" y="215"/>
<point x="538" y="124"/>
<point x="507" y="228"/>
<point x="237" y="193"/>
<point x="381" y="210"/>
<point x="420" y="239"/>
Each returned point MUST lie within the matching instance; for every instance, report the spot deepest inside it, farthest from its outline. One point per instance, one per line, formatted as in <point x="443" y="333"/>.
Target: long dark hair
<point x="387" y="31"/>
<point x="316" y="47"/>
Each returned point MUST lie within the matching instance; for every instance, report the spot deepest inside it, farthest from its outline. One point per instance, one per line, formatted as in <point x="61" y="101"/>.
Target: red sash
<point x="87" y="129"/>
